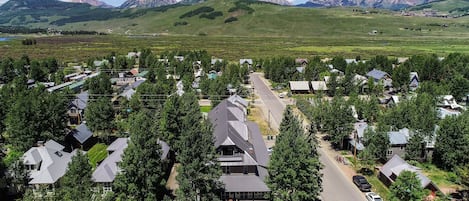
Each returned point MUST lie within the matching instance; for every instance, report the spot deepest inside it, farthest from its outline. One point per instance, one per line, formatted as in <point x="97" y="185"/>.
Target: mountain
<point x="16" y="5"/>
<point x="279" y="2"/>
<point x="147" y="3"/>
<point x="388" y="4"/>
<point x="96" y="3"/>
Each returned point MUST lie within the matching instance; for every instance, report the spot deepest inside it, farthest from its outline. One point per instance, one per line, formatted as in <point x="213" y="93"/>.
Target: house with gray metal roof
<point x="242" y="152"/>
<point x="380" y="77"/>
<point x="81" y="133"/>
<point x="76" y="108"/>
<point x="108" y="169"/>
<point x="300" y="86"/>
<point x="46" y="163"/>
<point x="393" y="168"/>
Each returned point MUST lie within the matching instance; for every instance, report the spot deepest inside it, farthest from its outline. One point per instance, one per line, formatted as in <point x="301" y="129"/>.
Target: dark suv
<point x="361" y="183"/>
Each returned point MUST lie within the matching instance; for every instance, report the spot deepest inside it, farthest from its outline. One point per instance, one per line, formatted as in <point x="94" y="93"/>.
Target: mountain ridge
<point x="96" y="3"/>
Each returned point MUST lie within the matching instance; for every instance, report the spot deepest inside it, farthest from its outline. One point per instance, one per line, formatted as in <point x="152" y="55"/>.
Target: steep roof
<point x="299" y="85"/>
<point x="243" y="61"/>
<point x="81" y="100"/>
<point x="51" y="160"/>
<point x="396" y="165"/>
<point x="377" y="74"/>
<point x="399" y="137"/>
<point x="81" y="133"/>
<point x="319" y="85"/>
<point x="108" y="169"/>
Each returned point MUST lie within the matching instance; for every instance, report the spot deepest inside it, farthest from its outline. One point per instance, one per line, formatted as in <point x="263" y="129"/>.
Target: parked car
<point x="372" y="196"/>
<point x="361" y="182"/>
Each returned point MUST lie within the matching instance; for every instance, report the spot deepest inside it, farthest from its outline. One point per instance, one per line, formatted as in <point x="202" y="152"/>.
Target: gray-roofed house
<point x="356" y="138"/>
<point x="76" y="108"/>
<point x="380" y="77"/>
<point x="108" y="169"/>
<point x="299" y="87"/>
<point x="46" y="164"/>
<point x="391" y="170"/>
<point x="81" y="133"/>
<point x="302" y="62"/>
<point x="398" y="141"/>
<point x="245" y="61"/>
<point x="242" y="152"/>
<point x="414" y="81"/>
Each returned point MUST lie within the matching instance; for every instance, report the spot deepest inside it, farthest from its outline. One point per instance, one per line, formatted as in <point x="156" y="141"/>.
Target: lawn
<point x="205" y="109"/>
<point x="378" y="186"/>
<point x="97" y="153"/>
<point x="441" y="178"/>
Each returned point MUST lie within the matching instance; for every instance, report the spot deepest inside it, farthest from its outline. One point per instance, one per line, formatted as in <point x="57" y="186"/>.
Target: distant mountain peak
<point x="390" y="4"/>
<point x="147" y="3"/>
<point x="96" y="3"/>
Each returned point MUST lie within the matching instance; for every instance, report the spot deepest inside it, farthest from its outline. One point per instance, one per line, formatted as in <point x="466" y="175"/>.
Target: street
<point x="336" y="186"/>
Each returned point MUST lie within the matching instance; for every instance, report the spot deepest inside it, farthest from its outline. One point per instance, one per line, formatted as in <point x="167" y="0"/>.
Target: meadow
<point x="267" y="31"/>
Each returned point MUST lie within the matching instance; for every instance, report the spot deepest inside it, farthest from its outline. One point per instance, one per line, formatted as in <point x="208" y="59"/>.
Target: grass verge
<point x="205" y="109"/>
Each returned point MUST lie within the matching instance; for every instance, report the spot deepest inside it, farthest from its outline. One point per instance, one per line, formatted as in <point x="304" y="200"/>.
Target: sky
<point x="119" y="2"/>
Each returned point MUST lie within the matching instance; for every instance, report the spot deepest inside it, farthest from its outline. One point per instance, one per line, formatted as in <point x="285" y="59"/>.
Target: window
<point x="107" y="187"/>
<point x="389" y="152"/>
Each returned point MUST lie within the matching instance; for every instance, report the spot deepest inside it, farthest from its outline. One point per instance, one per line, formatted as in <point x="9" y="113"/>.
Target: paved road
<point x="336" y="186"/>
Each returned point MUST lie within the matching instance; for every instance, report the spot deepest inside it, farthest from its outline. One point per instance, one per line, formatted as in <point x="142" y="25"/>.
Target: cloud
<point x="3" y="1"/>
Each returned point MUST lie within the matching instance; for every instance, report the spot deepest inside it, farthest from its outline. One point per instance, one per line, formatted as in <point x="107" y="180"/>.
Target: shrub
<point x="183" y="23"/>
<point x="204" y="9"/>
<point x="231" y="19"/>
<point x="211" y="15"/>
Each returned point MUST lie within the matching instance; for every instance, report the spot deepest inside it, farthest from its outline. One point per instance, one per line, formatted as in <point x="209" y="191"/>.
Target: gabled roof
<point x="399" y="137"/>
<point x="396" y="165"/>
<point x="377" y="74"/>
<point x="236" y="99"/>
<point x="214" y="61"/>
<point x="81" y="133"/>
<point x="414" y="75"/>
<point x="443" y="112"/>
<point x="300" y="61"/>
<point x="81" y="100"/>
<point x="300" y="69"/>
<point x="299" y="85"/>
<point x="135" y="84"/>
<point x="319" y="85"/>
<point x="51" y="160"/>
<point x="243" y="61"/>
<point x="108" y="169"/>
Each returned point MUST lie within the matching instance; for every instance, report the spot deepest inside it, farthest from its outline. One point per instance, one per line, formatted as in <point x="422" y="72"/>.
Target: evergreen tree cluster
<point x="294" y="169"/>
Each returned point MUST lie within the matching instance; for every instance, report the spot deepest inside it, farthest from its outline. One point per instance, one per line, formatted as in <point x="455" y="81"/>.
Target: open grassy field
<point x="270" y="30"/>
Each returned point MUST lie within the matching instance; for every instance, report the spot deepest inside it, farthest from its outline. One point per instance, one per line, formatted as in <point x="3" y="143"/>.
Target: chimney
<point x="40" y="143"/>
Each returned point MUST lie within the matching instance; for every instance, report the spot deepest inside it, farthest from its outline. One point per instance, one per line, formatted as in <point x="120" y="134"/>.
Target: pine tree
<point x="406" y="188"/>
<point x="100" y="116"/>
<point x="294" y="169"/>
<point x="199" y="172"/>
<point x="142" y="176"/>
<point x="76" y="184"/>
<point x="170" y="122"/>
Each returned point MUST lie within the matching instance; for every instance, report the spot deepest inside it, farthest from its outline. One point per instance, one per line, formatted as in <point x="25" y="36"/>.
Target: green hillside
<point x="260" y="19"/>
<point x="453" y="7"/>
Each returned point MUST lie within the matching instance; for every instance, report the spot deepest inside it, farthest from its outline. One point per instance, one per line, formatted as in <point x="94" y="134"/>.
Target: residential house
<point x="300" y="69"/>
<point x="449" y="102"/>
<point x="131" y="55"/>
<point x="414" y="81"/>
<point x="67" y="78"/>
<point x="299" y="87"/>
<point x="76" y="108"/>
<point x="318" y="86"/>
<point x="179" y="58"/>
<point x="390" y="101"/>
<point x="79" y="135"/>
<point x="106" y="171"/>
<point x="380" y="77"/>
<point x="214" y="61"/>
<point x="301" y="62"/>
<point x="46" y="164"/>
<point x="393" y="168"/>
<point x="398" y="141"/>
<point x="125" y="78"/>
<point x="247" y="62"/>
<point x="59" y="87"/>
<point x="242" y="152"/>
